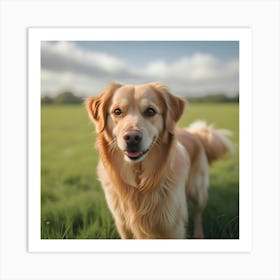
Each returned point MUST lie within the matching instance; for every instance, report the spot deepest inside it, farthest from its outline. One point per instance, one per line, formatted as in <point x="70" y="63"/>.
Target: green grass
<point x="72" y="201"/>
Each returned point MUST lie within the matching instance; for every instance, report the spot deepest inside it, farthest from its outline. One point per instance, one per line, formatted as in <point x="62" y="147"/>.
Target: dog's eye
<point x="117" y="112"/>
<point x="149" y="112"/>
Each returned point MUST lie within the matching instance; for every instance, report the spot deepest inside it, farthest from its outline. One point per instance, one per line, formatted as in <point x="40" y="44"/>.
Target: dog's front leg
<point x="123" y="230"/>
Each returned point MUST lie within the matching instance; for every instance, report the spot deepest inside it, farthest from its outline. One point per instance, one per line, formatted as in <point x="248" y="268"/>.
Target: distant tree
<point x="215" y="98"/>
<point x="67" y="97"/>
<point x="235" y="99"/>
<point x="46" y="100"/>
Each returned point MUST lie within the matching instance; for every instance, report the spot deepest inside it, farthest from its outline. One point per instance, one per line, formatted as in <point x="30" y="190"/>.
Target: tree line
<point x="69" y="98"/>
<point x="215" y="98"/>
<point x="63" y="98"/>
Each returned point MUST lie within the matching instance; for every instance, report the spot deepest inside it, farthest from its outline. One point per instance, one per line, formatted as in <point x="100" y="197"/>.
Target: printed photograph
<point x="139" y="139"/>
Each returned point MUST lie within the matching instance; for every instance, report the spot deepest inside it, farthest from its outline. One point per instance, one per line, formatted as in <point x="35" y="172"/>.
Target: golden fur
<point x="147" y="166"/>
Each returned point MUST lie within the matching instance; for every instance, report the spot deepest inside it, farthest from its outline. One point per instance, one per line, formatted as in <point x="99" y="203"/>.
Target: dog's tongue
<point x="133" y="154"/>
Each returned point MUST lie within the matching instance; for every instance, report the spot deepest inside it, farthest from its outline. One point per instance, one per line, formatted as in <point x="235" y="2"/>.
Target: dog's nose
<point x="133" y="137"/>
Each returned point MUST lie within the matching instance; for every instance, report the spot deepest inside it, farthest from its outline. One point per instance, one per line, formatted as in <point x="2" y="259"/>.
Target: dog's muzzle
<point x="134" y="145"/>
<point x="133" y="140"/>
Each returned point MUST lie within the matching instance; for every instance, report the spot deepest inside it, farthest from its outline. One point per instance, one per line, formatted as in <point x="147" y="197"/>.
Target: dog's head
<point x="135" y="118"/>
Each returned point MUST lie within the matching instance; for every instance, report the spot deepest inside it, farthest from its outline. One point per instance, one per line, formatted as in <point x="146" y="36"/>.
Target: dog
<point x="148" y="167"/>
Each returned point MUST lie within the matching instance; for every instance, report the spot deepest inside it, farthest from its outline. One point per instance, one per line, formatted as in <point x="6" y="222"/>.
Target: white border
<point x="243" y="35"/>
<point x="262" y="16"/>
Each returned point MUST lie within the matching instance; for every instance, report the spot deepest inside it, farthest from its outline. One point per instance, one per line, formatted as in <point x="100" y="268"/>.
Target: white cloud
<point x="157" y="69"/>
<point x="66" y="56"/>
<point x="54" y="82"/>
<point x="66" y="66"/>
<point x="197" y="68"/>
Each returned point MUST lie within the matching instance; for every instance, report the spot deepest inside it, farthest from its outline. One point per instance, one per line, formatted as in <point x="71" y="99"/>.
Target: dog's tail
<point x="215" y="141"/>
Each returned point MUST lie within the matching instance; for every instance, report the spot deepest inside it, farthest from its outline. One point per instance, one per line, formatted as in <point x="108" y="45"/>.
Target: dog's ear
<point x="97" y="106"/>
<point x="174" y="107"/>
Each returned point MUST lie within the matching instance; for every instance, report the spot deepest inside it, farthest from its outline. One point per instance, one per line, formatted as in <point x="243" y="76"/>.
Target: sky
<point x="188" y="68"/>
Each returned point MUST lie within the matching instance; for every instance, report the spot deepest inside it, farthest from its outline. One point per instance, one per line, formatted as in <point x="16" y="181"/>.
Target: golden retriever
<point x="147" y="166"/>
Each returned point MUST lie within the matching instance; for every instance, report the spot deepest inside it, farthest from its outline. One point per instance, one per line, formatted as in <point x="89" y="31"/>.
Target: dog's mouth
<point x="137" y="155"/>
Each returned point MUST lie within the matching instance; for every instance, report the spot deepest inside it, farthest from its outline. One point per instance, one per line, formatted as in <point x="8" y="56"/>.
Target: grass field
<point x="72" y="201"/>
